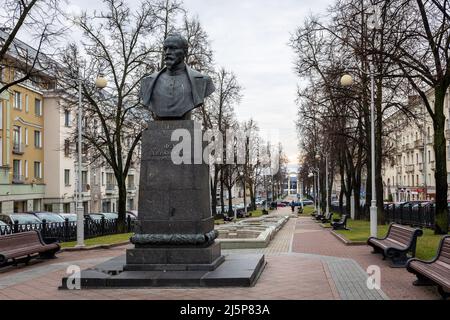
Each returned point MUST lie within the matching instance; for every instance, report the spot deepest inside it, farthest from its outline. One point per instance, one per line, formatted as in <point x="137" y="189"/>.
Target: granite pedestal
<point x="174" y="236"/>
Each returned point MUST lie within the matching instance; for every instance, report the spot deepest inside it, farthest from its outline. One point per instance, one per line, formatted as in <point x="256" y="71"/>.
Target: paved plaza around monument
<point x="304" y="261"/>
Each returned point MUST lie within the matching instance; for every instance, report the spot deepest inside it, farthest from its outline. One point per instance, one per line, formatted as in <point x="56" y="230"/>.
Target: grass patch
<point x="427" y="244"/>
<point x="111" y="239"/>
<point x="307" y="210"/>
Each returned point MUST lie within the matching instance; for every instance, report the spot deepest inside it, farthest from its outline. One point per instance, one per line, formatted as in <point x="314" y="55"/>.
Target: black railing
<point x="67" y="230"/>
<point x="415" y="215"/>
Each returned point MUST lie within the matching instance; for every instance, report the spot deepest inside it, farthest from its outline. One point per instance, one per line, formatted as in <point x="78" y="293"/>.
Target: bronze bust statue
<point x="173" y="92"/>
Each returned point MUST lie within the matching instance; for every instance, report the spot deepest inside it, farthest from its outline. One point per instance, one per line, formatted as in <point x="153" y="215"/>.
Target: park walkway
<point x="304" y="261"/>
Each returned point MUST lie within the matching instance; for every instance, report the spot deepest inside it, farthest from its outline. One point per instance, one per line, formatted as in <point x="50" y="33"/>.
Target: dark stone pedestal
<point x="176" y="227"/>
<point x="183" y="258"/>
<point x="175" y="237"/>
<point x="235" y="271"/>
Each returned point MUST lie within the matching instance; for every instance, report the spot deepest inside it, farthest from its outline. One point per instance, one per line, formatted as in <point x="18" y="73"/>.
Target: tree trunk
<point x="214" y="182"/>
<point x="222" y="202"/>
<point x="122" y="207"/>
<point x="230" y="200"/>
<point x="440" y="174"/>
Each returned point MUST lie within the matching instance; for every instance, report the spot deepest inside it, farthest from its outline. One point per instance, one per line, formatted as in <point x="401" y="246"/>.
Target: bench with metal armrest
<point x="24" y="246"/>
<point x="399" y="243"/>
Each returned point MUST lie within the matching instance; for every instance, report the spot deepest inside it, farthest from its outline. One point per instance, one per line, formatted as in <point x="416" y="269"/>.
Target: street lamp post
<point x="243" y="184"/>
<point x="312" y="175"/>
<point x="100" y="83"/>
<point x="326" y="186"/>
<point x="318" y="181"/>
<point x="347" y="80"/>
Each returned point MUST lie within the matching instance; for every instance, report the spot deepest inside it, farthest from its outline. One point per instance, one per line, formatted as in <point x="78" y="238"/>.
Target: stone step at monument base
<point x="238" y="270"/>
<point x="176" y="267"/>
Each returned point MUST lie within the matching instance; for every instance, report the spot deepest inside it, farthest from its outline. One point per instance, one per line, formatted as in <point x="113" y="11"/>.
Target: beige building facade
<point x="408" y="172"/>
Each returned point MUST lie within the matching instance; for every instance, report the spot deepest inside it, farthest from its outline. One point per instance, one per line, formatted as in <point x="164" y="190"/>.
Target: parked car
<point x="93" y="216"/>
<point x="4" y="227"/>
<point x="260" y="202"/>
<point x="21" y="218"/>
<point x="49" y="217"/>
<point x="308" y="202"/>
<point x="281" y="204"/>
<point x="71" y="216"/>
<point x="133" y="214"/>
<point x="110" y="215"/>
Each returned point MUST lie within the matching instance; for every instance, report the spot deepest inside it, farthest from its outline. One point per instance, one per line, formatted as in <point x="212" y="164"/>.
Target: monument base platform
<point x="236" y="271"/>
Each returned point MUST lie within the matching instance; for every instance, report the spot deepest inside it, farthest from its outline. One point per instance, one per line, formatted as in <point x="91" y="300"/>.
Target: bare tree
<point x="116" y="45"/>
<point x="39" y="21"/>
<point x="422" y="53"/>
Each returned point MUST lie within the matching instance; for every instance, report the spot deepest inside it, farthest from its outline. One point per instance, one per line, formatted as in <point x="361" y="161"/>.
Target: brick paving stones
<point x="304" y="261"/>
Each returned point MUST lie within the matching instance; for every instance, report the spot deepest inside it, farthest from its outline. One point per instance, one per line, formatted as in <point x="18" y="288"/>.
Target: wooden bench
<point x="22" y="246"/>
<point x="341" y="224"/>
<point x="434" y="272"/>
<point x="398" y="243"/>
<point x="328" y="218"/>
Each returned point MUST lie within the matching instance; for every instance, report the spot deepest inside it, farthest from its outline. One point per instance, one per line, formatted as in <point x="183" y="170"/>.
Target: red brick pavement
<point x="310" y="237"/>
<point x="286" y="276"/>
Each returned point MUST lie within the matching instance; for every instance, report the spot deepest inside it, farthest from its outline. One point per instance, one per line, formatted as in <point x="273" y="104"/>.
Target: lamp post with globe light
<point x="100" y="83"/>
<point x="242" y="174"/>
<point x="346" y="81"/>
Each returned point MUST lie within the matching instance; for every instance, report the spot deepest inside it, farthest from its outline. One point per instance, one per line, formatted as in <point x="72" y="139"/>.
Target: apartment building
<point x="38" y="154"/>
<point x="408" y="172"/>
<point x="22" y="113"/>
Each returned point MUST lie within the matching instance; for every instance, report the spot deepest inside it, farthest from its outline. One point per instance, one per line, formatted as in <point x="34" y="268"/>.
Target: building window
<point x="66" y="207"/>
<point x="67" y="118"/>
<point x="26" y="168"/>
<point x="27" y="104"/>
<point x="67" y="177"/>
<point x="17" y="100"/>
<point x="66" y="147"/>
<point x="429" y="156"/>
<point x="37" y="170"/>
<point x="26" y="136"/>
<point x="37" y="139"/>
<point x="103" y="178"/>
<point x="17" y="170"/>
<point x="37" y="107"/>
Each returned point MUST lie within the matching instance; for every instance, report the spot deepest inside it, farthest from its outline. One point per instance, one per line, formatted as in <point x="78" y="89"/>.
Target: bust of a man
<point x="173" y="92"/>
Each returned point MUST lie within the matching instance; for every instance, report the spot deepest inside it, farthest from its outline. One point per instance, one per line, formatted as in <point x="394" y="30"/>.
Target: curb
<point x="100" y="246"/>
<point x="346" y="241"/>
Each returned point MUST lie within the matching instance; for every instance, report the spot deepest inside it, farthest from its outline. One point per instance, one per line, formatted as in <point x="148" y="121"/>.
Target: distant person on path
<point x="292" y="206"/>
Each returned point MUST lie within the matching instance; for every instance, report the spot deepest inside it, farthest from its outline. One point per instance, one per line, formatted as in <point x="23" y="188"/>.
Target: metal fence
<point x="414" y="215"/>
<point x="67" y="230"/>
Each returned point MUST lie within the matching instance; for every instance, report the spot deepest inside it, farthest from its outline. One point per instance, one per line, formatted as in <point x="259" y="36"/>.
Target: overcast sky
<point x="250" y="37"/>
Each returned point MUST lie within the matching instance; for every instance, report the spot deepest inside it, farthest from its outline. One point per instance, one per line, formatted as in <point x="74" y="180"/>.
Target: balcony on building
<point x="18" y="148"/>
<point x="409" y="168"/>
<point x="399" y="169"/>
<point x="19" y="179"/>
<point x="447" y="134"/>
<point x="410" y="146"/>
<point x="432" y="165"/>
<point x="420" y="165"/>
<point x="418" y="144"/>
<point x="131" y="187"/>
<point x="110" y="188"/>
